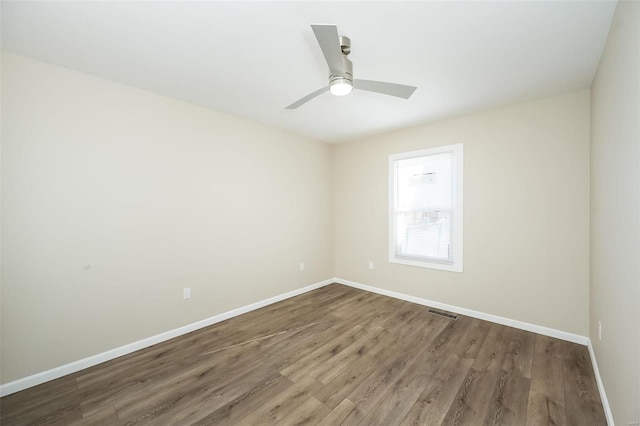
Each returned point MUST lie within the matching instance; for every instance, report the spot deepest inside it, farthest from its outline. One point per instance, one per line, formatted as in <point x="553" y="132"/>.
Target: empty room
<point x="322" y="212"/>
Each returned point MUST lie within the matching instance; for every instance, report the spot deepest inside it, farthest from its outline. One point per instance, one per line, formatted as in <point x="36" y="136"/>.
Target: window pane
<point x="424" y="205"/>
<point x="424" y="234"/>
<point x="425" y="182"/>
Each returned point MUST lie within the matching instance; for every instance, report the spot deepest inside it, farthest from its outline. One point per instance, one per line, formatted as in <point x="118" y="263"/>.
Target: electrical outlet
<point x="371" y="264"/>
<point x="599" y="330"/>
<point x="301" y="267"/>
<point x="186" y="293"/>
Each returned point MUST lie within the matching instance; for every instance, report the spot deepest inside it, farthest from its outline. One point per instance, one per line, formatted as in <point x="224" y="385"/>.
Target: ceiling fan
<point x="341" y="82"/>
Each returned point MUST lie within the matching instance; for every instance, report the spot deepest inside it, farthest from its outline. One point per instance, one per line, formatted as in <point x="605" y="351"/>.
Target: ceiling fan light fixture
<point x="340" y="86"/>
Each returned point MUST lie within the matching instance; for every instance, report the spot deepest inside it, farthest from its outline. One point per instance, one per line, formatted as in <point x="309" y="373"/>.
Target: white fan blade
<point x="398" y="90"/>
<point x="329" y="41"/>
<point x="307" y="98"/>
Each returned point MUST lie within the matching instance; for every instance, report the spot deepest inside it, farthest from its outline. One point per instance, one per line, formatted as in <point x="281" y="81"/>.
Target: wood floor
<point x="333" y="356"/>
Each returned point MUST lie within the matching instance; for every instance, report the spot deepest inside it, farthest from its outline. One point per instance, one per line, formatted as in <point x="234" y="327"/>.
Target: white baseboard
<point x="79" y="365"/>
<point x="603" y="395"/>
<point x="551" y="332"/>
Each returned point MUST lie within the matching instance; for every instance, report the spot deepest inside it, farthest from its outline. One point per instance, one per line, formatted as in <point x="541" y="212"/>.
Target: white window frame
<point x="455" y="265"/>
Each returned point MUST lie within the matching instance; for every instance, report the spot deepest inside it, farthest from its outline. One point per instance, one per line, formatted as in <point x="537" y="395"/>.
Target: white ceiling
<point x="252" y="59"/>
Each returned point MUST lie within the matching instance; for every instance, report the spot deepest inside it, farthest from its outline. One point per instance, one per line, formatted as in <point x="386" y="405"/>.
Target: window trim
<point x="457" y="228"/>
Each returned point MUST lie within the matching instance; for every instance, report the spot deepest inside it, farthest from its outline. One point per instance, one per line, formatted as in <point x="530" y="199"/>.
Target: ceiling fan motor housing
<point x="348" y="70"/>
<point x="345" y="46"/>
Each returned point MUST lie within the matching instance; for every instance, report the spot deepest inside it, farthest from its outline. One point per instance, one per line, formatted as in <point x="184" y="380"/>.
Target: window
<point x="425" y="208"/>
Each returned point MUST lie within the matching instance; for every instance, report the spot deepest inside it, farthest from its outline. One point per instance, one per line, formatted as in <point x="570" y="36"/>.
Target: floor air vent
<point x="443" y="314"/>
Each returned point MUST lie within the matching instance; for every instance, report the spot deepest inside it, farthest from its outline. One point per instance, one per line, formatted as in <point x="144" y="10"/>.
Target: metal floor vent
<point x="443" y="314"/>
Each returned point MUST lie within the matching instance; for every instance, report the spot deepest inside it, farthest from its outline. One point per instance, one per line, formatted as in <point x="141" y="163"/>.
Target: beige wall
<point x="156" y="195"/>
<point x="615" y="214"/>
<point x="526" y="212"/>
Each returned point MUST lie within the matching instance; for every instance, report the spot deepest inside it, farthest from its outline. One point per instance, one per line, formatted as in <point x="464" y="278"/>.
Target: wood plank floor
<point x="332" y="356"/>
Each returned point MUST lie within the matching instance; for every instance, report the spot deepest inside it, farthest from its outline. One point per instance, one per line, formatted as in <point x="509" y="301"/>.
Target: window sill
<point x="452" y="267"/>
